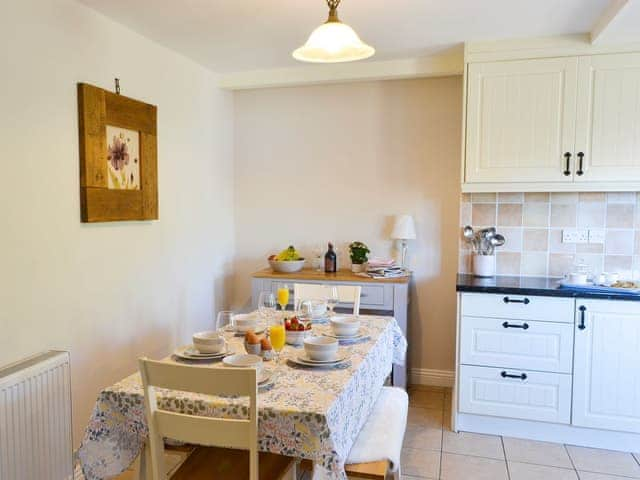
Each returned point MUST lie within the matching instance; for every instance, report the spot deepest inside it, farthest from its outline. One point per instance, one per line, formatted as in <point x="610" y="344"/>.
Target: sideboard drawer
<point x="377" y="297"/>
<point x="529" y="344"/>
<point x="521" y="307"/>
<point x="527" y="395"/>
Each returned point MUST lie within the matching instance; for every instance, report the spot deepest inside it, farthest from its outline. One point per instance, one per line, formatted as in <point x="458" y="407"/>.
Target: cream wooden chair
<point x="239" y="437"/>
<point x="346" y="293"/>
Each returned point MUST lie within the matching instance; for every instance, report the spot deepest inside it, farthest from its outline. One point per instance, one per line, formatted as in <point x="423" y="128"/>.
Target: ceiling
<point x="239" y="35"/>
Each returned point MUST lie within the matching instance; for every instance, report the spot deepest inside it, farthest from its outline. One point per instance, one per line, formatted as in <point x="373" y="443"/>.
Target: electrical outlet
<point x="596" y="236"/>
<point x="573" y="235"/>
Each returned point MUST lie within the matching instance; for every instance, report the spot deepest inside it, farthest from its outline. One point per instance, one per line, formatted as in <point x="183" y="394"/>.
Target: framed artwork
<point x="118" y="157"/>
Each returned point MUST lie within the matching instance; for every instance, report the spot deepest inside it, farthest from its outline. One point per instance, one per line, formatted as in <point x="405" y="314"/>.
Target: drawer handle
<point x="580" y="171"/>
<point x="364" y="295"/>
<point x="567" y="170"/>
<point x="522" y="376"/>
<point x="582" y="309"/>
<point x="524" y="326"/>
<point x="515" y="300"/>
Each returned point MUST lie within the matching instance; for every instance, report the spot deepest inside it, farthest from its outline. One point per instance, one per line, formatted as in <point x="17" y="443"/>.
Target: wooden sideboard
<point x="384" y="296"/>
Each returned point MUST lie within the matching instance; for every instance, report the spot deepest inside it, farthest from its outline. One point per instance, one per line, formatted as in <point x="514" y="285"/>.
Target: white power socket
<point x="596" y="236"/>
<point x="573" y="235"/>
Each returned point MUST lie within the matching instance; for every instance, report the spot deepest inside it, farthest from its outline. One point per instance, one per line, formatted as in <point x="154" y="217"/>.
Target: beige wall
<point x="335" y="163"/>
<point x="106" y="292"/>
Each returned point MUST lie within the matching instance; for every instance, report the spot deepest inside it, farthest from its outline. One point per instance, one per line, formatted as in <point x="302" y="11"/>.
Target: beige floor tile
<point x="540" y="453"/>
<point x="426" y="399"/>
<point x="528" y="471"/>
<point x="413" y="477"/>
<point x="463" y="467"/>
<point x="420" y="463"/>
<point x="427" y="417"/>
<point x="599" y="476"/>
<point x="475" y="444"/>
<point x="604" y="461"/>
<point x="424" y="438"/>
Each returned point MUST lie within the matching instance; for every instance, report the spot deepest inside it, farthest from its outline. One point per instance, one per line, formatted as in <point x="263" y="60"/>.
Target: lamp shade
<point x="404" y="228"/>
<point x="333" y="42"/>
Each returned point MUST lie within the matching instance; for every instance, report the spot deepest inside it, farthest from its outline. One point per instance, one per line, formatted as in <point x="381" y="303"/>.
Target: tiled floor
<point x="432" y="451"/>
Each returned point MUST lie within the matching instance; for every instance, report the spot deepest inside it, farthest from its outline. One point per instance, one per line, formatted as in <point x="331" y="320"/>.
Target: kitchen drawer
<point x="377" y="297"/>
<point x="520" y="307"/>
<point x="537" y="396"/>
<point x="532" y="345"/>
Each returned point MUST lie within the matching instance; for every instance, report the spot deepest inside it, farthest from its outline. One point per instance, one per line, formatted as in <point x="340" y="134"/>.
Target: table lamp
<point x="403" y="229"/>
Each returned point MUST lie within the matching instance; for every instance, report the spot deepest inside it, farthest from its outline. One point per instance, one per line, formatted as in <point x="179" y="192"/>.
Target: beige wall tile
<point x="563" y="215"/>
<point x="541" y="453"/>
<point x="604" y="461"/>
<point x="620" y="215"/>
<point x="536" y="197"/>
<point x="619" y="242"/>
<point x="589" y="248"/>
<point x="483" y="214"/>
<point x="559" y="264"/>
<point x="509" y="214"/>
<point x="535" y="215"/>
<point x="562" y="197"/>
<point x="621" y="197"/>
<point x="534" y="264"/>
<point x="513" y="239"/>
<point x="483" y="197"/>
<point x="592" y="197"/>
<point x="508" y="263"/>
<point x="591" y="215"/>
<point x="556" y="245"/>
<point x="465" y="214"/>
<point x="535" y="239"/>
<point x="636" y="243"/>
<point x="618" y="263"/>
<point x="595" y="262"/>
<point x="463" y="467"/>
<point x="510" y="197"/>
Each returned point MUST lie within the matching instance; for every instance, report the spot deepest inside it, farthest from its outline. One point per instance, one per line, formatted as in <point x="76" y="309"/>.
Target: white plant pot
<point x="358" y="267"/>
<point x="484" y="265"/>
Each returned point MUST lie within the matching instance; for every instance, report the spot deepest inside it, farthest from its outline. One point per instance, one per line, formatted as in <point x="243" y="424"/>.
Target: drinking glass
<point x="277" y="336"/>
<point x="224" y="320"/>
<point x="283" y="296"/>
<point x="305" y="313"/>
<point x="267" y="305"/>
<point x="332" y="298"/>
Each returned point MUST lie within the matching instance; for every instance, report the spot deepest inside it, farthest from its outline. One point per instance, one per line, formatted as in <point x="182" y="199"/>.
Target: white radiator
<point x="35" y="418"/>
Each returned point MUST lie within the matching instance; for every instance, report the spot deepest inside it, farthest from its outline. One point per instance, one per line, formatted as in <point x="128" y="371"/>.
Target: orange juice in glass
<point x="277" y="337"/>
<point x="283" y="296"/>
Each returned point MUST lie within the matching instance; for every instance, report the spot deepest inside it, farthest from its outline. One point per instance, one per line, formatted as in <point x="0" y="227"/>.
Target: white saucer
<point x="356" y="336"/>
<point x="307" y="362"/>
<point x="189" y="352"/>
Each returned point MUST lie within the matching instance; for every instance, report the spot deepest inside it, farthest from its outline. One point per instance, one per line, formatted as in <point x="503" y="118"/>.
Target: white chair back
<point x="217" y="432"/>
<point x="346" y="293"/>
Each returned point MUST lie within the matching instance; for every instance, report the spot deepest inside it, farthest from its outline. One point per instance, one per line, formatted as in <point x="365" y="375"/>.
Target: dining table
<point x="313" y="413"/>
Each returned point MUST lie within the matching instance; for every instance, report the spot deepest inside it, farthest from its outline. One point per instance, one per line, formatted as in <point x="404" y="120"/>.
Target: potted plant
<point x="358" y="252"/>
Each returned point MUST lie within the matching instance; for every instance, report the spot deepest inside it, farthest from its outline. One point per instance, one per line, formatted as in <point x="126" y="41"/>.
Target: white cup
<point x="209" y="342"/>
<point x="577" y="278"/>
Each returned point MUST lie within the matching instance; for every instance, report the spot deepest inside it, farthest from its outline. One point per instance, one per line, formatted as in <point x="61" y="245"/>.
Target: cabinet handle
<point x="522" y="376"/>
<point x="567" y="170"/>
<point x="524" y="326"/>
<point x="515" y="300"/>
<point x="582" y="309"/>
<point x="580" y="171"/>
<point x="364" y="295"/>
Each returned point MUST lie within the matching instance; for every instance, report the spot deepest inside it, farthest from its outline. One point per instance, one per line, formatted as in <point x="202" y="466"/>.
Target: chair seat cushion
<point x="382" y="435"/>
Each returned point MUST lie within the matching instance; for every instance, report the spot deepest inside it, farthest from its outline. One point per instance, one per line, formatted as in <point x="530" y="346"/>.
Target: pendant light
<point x="333" y="41"/>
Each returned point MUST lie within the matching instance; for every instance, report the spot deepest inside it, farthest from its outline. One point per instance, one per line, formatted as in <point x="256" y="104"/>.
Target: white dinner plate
<point x="307" y="362"/>
<point x="356" y="336"/>
<point x="257" y="330"/>
<point x="189" y="352"/>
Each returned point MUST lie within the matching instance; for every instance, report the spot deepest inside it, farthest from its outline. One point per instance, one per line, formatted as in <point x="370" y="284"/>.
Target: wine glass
<point x="332" y="298"/>
<point x="224" y="320"/>
<point x="283" y="296"/>
<point x="305" y="314"/>
<point x="267" y="305"/>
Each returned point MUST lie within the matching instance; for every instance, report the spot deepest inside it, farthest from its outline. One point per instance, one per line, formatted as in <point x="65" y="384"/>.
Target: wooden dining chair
<point x="229" y="446"/>
<point x="346" y="293"/>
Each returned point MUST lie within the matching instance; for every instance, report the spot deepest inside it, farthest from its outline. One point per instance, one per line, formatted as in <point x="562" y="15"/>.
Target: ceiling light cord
<point x="333" y="10"/>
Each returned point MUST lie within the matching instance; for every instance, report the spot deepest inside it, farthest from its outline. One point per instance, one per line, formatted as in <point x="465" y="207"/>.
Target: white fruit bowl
<point x="321" y="348"/>
<point x="345" y="326"/>
<point x="286" y="267"/>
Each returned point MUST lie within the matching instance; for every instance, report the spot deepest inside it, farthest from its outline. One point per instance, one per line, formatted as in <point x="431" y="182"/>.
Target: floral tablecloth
<point x="314" y="414"/>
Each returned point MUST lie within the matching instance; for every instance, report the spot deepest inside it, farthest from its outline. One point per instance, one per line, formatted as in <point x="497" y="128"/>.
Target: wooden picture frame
<point x="100" y="201"/>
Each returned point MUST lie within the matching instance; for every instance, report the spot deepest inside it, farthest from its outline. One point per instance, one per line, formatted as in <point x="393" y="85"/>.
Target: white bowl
<point x="321" y="348"/>
<point x="208" y="342"/>
<point x="345" y="326"/>
<point x="295" y="337"/>
<point x="243" y="322"/>
<point x="286" y="266"/>
<point x="243" y="361"/>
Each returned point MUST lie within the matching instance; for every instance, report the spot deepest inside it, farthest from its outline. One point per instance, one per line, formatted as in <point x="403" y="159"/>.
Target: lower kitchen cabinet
<point x="606" y="373"/>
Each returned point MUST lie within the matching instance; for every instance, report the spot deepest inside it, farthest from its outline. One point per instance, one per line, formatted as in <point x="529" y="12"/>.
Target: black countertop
<point x="544" y="286"/>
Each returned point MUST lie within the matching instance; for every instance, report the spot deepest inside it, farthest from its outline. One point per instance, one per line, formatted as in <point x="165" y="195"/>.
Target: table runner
<point x="314" y="414"/>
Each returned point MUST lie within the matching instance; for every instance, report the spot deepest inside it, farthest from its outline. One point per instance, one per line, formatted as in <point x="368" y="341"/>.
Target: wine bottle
<point x="330" y="260"/>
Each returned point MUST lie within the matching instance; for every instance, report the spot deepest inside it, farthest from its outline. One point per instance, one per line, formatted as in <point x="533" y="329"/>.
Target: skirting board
<point x="434" y="378"/>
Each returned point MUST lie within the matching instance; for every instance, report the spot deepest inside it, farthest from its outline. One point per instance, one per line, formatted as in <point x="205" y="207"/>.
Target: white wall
<point x="335" y="162"/>
<point x="106" y="292"/>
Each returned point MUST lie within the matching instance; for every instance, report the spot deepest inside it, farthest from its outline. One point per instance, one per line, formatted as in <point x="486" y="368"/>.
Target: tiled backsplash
<point x="532" y="224"/>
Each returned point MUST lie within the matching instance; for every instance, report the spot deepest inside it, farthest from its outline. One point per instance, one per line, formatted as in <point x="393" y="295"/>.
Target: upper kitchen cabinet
<point x="560" y="120"/>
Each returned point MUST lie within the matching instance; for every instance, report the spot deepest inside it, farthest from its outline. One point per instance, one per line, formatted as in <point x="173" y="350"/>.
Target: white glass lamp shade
<point x="404" y="228"/>
<point x="333" y="42"/>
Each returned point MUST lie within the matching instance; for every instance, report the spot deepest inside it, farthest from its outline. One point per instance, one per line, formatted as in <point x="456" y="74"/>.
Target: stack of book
<point x="382" y="268"/>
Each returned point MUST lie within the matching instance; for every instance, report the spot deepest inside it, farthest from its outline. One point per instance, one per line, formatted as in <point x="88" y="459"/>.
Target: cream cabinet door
<point x="606" y="372"/>
<point x="521" y="121"/>
<point x="608" y="118"/>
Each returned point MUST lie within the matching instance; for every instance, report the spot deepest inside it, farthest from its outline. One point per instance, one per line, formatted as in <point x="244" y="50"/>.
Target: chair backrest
<point x="346" y="293"/>
<point x="219" y="432"/>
